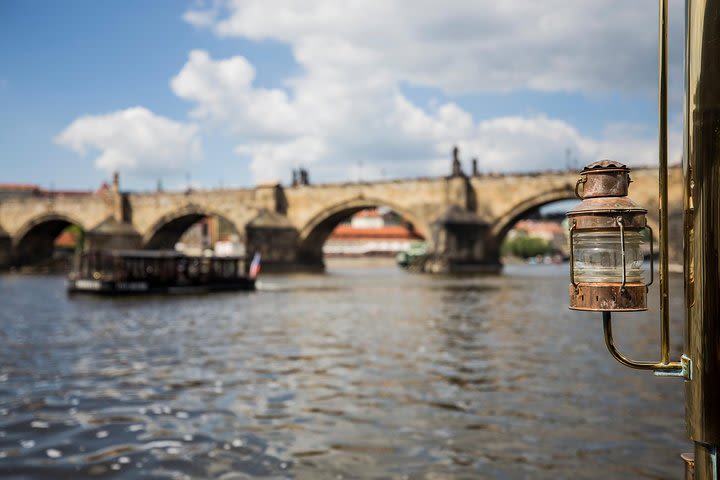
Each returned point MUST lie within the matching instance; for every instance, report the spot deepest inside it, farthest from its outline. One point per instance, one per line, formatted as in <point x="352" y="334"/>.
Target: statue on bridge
<point x="456" y="167"/>
<point x="300" y="177"/>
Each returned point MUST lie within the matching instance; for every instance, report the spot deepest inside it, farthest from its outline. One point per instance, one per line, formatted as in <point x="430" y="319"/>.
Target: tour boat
<point x="158" y="272"/>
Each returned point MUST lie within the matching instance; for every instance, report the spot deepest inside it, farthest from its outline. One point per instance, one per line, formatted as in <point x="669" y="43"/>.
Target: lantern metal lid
<point x="605" y="178"/>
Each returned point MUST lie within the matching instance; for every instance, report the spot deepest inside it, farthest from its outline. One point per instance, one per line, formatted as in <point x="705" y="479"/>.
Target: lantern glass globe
<point x="598" y="257"/>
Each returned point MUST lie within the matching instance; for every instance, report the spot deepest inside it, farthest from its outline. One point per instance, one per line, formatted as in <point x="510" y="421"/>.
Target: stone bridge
<point x="464" y="219"/>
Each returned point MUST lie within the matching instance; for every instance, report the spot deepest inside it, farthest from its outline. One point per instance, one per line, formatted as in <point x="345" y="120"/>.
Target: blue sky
<point x="234" y="93"/>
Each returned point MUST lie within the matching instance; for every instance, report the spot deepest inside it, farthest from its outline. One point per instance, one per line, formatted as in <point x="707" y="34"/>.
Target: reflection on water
<point x="360" y="373"/>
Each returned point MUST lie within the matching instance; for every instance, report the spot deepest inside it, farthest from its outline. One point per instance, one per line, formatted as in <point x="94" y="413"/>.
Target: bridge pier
<point x="272" y="236"/>
<point x="5" y="250"/>
<point x="117" y="232"/>
<point x="461" y="243"/>
<point x="309" y="261"/>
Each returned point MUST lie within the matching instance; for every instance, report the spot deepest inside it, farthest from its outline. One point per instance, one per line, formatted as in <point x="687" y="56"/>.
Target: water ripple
<point x="372" y="374"/>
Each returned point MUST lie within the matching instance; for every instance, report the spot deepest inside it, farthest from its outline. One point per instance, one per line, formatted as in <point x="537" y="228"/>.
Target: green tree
<point x="525" y="246"/>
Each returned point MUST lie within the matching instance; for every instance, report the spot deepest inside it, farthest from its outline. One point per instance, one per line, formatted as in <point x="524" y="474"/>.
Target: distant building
<point x="210" y="233"/>
<point x="8" y="190"/>
<point x="551" y="231"/>
<point x="230" y="247"/>
<point x="367" y="219"/>
<point x="15" y="190"/>
<point x="67" y="239"/>
<point x="371" y="232"/>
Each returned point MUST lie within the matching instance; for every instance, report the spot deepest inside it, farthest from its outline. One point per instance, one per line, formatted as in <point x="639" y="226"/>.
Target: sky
<point x="233" y="93"/>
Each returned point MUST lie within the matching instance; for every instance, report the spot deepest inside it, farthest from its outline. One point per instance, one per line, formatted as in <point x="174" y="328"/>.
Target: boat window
<point x="120" y="269"/>
<point x="166" y="267"/>
<point x="84" y="269"/>
<point x="228" y="269"/>
<point x="138" y="270"/>
<point x="193" y="267"/>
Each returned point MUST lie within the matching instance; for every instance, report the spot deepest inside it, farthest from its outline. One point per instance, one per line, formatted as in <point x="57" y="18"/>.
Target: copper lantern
<point x="606" y="242"/>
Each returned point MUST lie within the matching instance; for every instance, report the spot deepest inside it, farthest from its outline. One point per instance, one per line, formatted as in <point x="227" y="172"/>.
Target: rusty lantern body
<point x="606" y="256"/>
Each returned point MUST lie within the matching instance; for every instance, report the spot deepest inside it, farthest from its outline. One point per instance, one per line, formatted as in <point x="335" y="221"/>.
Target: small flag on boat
<point x="254" y="266"/>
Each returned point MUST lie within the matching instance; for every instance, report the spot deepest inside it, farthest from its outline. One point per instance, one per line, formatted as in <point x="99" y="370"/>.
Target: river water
<point x="358" y="373"/>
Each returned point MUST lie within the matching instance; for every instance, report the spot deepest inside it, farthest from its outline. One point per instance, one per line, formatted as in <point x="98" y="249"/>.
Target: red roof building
<point x="367" y="233"/>
<point x="393" y="232"/>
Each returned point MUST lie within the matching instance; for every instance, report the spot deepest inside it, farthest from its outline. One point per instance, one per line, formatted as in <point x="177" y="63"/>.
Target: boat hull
<point x="100" y="287"/>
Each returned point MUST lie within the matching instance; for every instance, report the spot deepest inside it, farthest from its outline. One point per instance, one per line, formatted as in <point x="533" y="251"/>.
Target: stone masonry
<point x="463" y="218"/>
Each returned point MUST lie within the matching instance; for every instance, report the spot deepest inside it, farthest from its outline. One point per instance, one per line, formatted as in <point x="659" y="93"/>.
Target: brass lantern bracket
<point x="606" y="179"/>
<point x="682" y="369"/>
<point x="664" y="368"/>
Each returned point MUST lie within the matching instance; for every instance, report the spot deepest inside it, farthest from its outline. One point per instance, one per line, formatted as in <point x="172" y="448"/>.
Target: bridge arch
<point x="166" y="231"/>
<point x="34" y="240"/>
<point x="507" y="220"/>
<point x="316" y="231"/>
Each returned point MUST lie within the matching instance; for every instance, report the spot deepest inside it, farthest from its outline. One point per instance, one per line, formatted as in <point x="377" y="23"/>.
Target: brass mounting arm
<point x="683" y="368"/>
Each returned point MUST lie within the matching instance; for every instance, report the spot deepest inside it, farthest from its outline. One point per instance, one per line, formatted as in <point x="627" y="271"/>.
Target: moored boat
<point x="413" y="258"/>
<point x="156" y="272"/>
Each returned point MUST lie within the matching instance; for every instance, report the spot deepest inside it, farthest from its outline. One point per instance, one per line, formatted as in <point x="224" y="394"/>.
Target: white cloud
<point x="273" y="161"/>
<point x="201" y="17"/>
<point x="224" y="96"/>
<point x="346" y="116"/>
<point x="370" y="130"/>
<point x="460" y="45"/>
<point x="134" y="140"/>
<point x="517" y="144"/>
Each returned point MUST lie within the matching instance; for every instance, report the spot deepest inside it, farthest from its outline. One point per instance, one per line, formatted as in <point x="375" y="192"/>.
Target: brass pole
<point x="701" y="172"/>
<point x="663" y="176"/>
